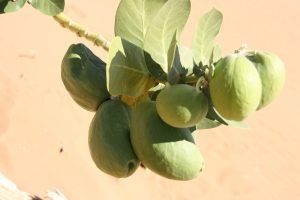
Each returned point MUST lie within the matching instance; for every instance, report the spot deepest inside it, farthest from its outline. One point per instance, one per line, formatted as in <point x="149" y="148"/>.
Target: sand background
<point x="38" y="117"/>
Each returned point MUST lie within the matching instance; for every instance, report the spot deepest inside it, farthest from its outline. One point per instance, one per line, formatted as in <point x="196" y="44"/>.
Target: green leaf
<point x="7" y="6"/>
<point x="155" y="69"/>
<point x="216" y="54"/>
<point x="207" y="124"/>
<point x="207" y="29"/>
<point x="215" y="57"/>
<point x="172" y="51"/>
<point x="183" y="65"/>
<point x="127" y="73"/>
<point x="177" y="71"/>
<point x="48" y="7"/>
<point x="192" y="129"/>
<point x="133" y="18"/>
<point x="186" y="58"/>
<point x="171" y="18"/>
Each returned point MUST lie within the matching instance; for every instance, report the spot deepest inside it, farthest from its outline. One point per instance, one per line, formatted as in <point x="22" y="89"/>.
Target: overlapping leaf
<point x="207" y="29"/>
<point x="179" y="70"/>
<point x="127" y="73"/>
<point x="155" y="69"/>
<point x="133" y="17"/>
<point x="159" y="39"/>
<point x="48" y="7"/>
<point x="11" y="6"/>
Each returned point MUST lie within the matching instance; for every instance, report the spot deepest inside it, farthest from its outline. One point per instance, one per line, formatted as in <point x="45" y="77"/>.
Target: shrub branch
<point x="82" y="31"/>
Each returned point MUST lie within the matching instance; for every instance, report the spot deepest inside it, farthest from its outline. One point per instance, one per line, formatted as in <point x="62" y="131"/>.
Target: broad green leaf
<point x="133" y="17"/>
<point x="48" y="7"/>
<point x="207" y="29"/>
<point x="207" y="124"/>
<point x="155" y="68"/>
<point x="11" y="6"/>
<point x="171" y="18"/>
<point x="127" y="73"/>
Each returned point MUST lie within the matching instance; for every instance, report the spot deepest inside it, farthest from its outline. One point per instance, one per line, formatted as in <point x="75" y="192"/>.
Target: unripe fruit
<point x="167" y="151"/>
<point x="181" y="105"/>
<point x="109" y="140"/>
<point x="272" y="74"/>
<point x="84" y="77"/>
<point x="235" y="87"/>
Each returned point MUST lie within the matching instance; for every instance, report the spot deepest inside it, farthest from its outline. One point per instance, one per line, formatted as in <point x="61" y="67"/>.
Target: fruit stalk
<point x="82" y="31"/>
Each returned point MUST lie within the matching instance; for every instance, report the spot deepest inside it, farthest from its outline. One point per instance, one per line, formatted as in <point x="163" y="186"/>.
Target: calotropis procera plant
<point x="153" y="92"/>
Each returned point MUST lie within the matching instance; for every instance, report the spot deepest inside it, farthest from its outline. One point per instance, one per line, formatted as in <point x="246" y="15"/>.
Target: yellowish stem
<point x="82" y="31"/>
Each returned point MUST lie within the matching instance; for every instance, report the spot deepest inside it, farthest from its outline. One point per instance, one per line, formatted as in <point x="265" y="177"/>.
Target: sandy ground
<point x="38" y="118"/>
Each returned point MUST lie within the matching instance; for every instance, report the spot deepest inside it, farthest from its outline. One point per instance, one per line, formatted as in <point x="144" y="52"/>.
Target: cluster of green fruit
<point x="122" y="137"/>
<point x="245" y="82"/>
<point x="158" y="132"/>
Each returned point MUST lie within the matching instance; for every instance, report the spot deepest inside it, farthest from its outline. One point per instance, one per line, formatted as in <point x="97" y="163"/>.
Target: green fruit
<point x="167" y="151"/>
<point x="181" y="105"/>
<point x="84" y="77"/>
<point x="109" y="140"/>
<point x="235" y="87"/>
<point x="272" y="74"/>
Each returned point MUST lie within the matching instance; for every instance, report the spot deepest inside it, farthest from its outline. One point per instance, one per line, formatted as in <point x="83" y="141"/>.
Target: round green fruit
<point x="166" y="150"/>
<point x="181" y="105"/>
<point x="109" y="140"/>
<point x="84" y="77"/>
<point x="235" y="87"/>
<point x="272" y="74"/>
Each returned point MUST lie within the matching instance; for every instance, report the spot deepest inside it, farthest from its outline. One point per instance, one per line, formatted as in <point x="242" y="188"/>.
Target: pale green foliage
<point x="48" y="7"/>
<point x="207" y="29"/>
<point x="164" y="31"/>
<point x="133" y="18"/>
<point x="127" y="72"/>
<point x="11" y="6"/>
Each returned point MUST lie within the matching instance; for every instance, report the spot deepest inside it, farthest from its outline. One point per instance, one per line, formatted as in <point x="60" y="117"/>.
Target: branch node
<point x="81" y="31"/>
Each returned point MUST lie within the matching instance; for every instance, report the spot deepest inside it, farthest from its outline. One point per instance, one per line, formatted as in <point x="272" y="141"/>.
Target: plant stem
<point x="82" y="31"/>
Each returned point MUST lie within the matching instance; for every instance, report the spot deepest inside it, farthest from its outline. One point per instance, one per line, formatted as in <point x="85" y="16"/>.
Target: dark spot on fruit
<point x="142" y="166"/>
